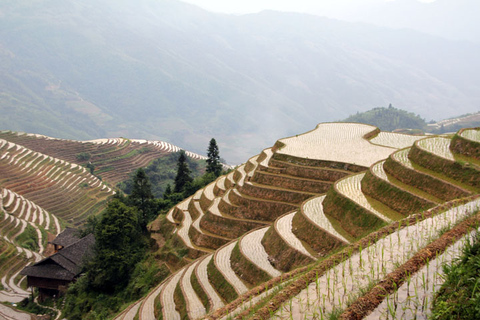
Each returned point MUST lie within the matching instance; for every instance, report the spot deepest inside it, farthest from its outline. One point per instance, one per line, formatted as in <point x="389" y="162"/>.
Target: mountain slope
<point x="165" y="70"/>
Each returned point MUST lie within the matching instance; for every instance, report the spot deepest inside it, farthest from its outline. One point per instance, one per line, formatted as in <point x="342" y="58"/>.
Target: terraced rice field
<point x="402" y="157"/>
<point x="242" y="175"/>
<point x="28" y="211"/>
<point x="208" y="192"/>
<point x="268" y="155"/>
<point x="195" y="308"/>
<point x="313" y="209"/>
<point x="147" y="306"/>
<point x="168" y="147"/>
<point x="342" y="283"/>
<point x="113" y="158"/>
<point x="437" y="145"/>
<point x="47" y="181"/>
<point x="196" y="223"/>
<point x="252" y="248"/>
<point x="167" y="300"/>
<point x="471" y="134"/>
<point x="338" y="142"/>
<point x="10" y="313"/>
<point x="202" y="276"/>
<point x="413" y="300"/>
<point x="222" y="262"/>
<point x="395" y="140"/>
<point x="335" y="142"/>
<point x="184" y="228"/>
<point x="284" y="229"/>
<point x="351" y="188"/>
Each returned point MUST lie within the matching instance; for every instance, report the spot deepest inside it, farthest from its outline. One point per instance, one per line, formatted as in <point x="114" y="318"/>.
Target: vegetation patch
<point x="228" y="228"/>
<point x="458" y="170"/>
<point x="258" y="209"/>
<point x="218" y="281"/>
<point x="197" y="287"/>
<point x="355" y="219"/>
<point x="283" y="257"/>
<point x="398" y="199"/>
<point x="317" y="173"/>
<point x="274" y="194"/>
<point x="205" y="240"/>
<point x="320" y="241"/>
<point x="180" y="303"/>
<point x="318" y="163"/>
<point x="308" y="274"/>
<point x="30" y="306"/>
<point x="367" y="303"/>
<point x="439" y="188"/>
<point x="162" y="171"/>
<point x="28" y="238"/>
<point x="465" y="146"/>
<point x="290" y="182"/>
<point x="459" y="296"/>
<point x="389" y="119"/>
<point x="247" y="270"/>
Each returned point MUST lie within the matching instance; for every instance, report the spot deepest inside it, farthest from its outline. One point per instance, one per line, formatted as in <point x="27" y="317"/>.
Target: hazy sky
<point x="452" y="19"/>
<point x="329" y="7"/>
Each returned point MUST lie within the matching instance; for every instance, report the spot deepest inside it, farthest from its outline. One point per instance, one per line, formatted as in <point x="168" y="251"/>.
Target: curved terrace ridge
<point x="338" y="142"/>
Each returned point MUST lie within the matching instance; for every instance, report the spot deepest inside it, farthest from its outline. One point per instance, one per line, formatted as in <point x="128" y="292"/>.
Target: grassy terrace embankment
<point x="400" y="197"/>
<point x="467" y="142"/>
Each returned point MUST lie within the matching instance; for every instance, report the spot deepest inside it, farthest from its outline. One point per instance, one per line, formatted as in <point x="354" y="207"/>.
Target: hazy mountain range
<point x="171" y="71"/>
<point x="451" y="19"/>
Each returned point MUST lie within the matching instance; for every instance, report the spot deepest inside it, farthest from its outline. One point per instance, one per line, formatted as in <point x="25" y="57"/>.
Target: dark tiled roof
<point x="67" y="237"/>
<point x="48" y="270"/>
<point x="66" y="264"/>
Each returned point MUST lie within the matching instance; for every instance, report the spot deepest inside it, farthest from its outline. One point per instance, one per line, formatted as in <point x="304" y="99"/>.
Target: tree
<point x="91" y="167"/>
<point x="183" y="173"/>
<point x="168" y="192"/>
<point x="142" y="196"/>
<point x="119" y="245"/>
<point x="213" y="160"/>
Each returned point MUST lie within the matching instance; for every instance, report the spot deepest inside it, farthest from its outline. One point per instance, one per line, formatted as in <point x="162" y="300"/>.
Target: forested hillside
<point x="389" y="119"/>
<point x="166" y="70"/>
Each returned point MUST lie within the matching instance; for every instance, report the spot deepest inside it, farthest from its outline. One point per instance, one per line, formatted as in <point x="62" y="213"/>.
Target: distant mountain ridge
<point x="166" y="70"/>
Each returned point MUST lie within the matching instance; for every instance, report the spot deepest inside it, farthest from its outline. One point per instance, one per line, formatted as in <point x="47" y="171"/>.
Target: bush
<point x="459" y="296"/>
<point x="83" y="156"/>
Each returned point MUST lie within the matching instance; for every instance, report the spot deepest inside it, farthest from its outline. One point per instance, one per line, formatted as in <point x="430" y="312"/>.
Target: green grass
<point x="441" y="176"/>
<point x="252" y="274"/>
<point x="459" y="296"/>
<point x="218" y="281"/>
<point x="28" y="239"/>
<point x="199" y="291"/>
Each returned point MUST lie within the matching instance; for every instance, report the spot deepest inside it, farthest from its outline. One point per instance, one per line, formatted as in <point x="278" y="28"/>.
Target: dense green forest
<point x="389" y="119"/>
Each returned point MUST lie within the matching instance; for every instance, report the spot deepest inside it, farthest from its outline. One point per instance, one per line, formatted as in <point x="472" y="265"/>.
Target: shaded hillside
<point x="165" y="70"/>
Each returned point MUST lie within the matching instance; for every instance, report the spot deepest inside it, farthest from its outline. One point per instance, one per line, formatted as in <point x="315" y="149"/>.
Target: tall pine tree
<point x="142" y="196"/>
<point x="213" y="159"/>
<point x="184" y="175"/>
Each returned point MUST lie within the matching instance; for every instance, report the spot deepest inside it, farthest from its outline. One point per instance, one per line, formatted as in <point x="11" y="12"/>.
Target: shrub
<point x="83" y="156"/>
<point x="459" y="296"/>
